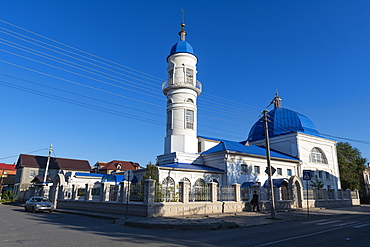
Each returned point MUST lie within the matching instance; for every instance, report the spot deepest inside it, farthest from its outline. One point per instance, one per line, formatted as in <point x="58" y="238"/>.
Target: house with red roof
<point x="31" y="170"/>
<point x="115" y="166"/>
<point x="7" y="176"/>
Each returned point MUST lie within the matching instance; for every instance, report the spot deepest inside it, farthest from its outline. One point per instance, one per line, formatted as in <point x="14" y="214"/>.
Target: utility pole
<point x="267" y="142"/>
<point x="47" y="164"/>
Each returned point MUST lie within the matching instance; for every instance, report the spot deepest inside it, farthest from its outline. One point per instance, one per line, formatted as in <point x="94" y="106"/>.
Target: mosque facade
<point x="295" y="143"/>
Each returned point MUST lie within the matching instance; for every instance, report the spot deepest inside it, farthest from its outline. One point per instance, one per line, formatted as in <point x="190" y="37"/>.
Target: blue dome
<point x="181" y="46"/>
<point x="282" y="121"/>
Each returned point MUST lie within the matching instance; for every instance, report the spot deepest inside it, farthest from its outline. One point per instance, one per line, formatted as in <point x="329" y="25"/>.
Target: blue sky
<point x="315" y="52"/>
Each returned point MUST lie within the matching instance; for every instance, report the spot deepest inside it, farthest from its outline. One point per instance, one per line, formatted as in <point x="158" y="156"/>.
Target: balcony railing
<point x="177" y="83"/>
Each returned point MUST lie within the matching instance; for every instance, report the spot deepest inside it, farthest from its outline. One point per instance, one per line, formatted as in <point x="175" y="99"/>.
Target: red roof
<point x="26" y="160"/>
<point x="7" y="166"/>
<point x="114" y="164"/>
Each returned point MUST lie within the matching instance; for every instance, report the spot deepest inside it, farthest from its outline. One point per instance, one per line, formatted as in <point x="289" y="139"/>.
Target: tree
<point x="351" y="166"/>
<point x="317" y="183"/>
<point x="151" y="172"/>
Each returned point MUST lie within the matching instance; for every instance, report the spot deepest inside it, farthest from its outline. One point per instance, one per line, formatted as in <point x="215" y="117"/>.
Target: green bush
<point x="7" y="196"/>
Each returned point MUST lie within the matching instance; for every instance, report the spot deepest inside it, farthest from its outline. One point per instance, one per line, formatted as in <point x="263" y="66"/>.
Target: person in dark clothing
<point x="255" y="202"/>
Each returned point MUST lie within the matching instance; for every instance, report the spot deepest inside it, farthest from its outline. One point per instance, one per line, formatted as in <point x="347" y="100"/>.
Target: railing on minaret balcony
<point x="168" y="85"/>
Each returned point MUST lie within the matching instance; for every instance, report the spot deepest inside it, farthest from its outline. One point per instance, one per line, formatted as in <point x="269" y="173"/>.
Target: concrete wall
<point x="150" y="208"/>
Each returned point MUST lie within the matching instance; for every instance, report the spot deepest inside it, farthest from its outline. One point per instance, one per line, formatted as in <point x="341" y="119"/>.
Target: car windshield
<point x="41" y="199"/>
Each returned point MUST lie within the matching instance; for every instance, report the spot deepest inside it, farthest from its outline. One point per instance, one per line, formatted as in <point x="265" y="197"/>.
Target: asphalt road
<point x="19" y="228"/>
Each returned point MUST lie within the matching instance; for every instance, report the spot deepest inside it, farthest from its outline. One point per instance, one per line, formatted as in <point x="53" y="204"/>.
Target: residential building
<point x="31" y="169"/>
<point x="114" y="166"/>
<point x="7" y="179"/>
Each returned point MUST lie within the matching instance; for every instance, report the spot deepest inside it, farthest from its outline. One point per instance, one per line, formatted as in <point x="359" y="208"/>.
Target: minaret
<point x="181" y="90"/>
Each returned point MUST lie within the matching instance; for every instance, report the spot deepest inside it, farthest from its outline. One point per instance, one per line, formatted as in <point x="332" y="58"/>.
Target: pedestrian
<point x="255" y="202"/>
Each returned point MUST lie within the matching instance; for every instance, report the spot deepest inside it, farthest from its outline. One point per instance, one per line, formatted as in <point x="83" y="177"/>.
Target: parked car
<point x="38" y="203"/>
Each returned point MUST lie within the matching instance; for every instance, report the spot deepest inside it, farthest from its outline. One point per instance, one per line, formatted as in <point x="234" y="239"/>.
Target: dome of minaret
<point x="182" y="46"/>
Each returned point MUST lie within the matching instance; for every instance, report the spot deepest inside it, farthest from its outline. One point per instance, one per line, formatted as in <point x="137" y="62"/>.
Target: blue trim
<point x="83" y="174"/>
<point x="247" y="185"/>
<point x="276" y="182"/>
<point x="240" y="148"/>
<point x="110" y="178"/>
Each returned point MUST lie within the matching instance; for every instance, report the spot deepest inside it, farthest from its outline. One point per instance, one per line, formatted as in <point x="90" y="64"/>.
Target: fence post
<point x="236" y="191"/>
<point x="149" y="191"/>
<point x="74" y="191"/>
<point x="149" y="196"/>
<point x="104" y="191"/>
<point x="213" y="191"/>
<point x="339" y="194"/>
<point x="332" y="194"/>
<point x="184" y="191"/>
<point x="123" y="195"/>
<point x="349" y="196"/>
<point x="355" y="194"/>
<point x="87" y="192"/>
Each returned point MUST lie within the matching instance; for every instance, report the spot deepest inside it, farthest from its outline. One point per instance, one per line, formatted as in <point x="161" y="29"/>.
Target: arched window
<point x="168" y="181"/>
<point x="189" y="119"/>
<point x="200" y="190"/>
<point x="170" y="77"/>
<point x="169" y="189"/>
<point x="185" y="179"/>
<point x="169" y="101"/>
<point x="189" y="75"/>
<point x="169" y="120"/>
<point x="318" y="156"/>
<point x="190" y="101"/>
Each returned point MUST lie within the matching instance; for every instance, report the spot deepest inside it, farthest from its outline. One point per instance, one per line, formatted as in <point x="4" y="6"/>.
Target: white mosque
<point x="295" y="143"/>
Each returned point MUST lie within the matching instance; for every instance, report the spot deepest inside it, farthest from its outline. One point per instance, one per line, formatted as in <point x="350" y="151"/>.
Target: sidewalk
<point x="222" y="221"/>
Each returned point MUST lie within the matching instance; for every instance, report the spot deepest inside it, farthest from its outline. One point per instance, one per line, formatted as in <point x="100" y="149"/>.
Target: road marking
<point x="327" y="223"/>
<point x="314" y="221"/>
<point x="359" y="226"/>
<point x="346" y="223"/>
<point x="305" y="235"/>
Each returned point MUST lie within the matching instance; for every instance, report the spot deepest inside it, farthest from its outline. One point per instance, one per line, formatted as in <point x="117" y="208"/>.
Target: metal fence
<point x="310" y="194"/>
<point x="165" y="193"/>
<point x="225" y="193"/>
<point x="137" y="192"/>
<point x="200" y="193"/>
<point x="113" y="193"/>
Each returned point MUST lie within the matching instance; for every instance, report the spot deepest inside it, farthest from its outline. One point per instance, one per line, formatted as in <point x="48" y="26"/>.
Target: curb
<point x="90" y="214"/>
<point x="182" y="226"/>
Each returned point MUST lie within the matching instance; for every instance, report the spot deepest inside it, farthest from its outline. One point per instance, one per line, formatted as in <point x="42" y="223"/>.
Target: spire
<point x="277" y="100"/>
<point x="182" y="33"/>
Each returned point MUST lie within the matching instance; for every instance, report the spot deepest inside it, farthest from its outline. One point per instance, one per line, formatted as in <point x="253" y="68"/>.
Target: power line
<point x="79" y="51"/>
<point x="74" y="102"/>
<point x="36" y="51"/>
<point x="104" y="82"/>
<point x="26" y="153"/>
<point x="207" y="95"/>
<point x="236" y="113"/>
